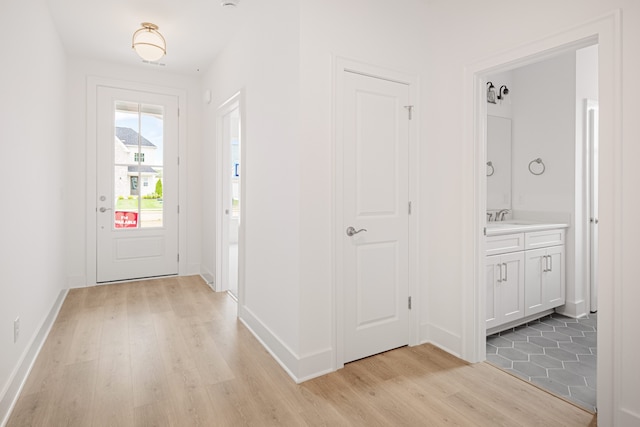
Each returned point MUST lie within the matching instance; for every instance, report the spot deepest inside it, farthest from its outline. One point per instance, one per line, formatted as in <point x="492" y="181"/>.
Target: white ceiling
<point x="195" y="30"/>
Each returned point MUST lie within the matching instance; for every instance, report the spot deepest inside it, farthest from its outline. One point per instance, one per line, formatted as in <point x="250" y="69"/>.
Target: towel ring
<point x="538" y="161"/>
<point x="490" y="165"/>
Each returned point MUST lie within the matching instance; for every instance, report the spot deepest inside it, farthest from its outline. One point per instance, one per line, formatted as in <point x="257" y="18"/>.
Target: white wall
<point x="78" y="72"/>
<point x="544" y="127"/>
<point x="262" y="61"/>
<point x="32" y="149"/>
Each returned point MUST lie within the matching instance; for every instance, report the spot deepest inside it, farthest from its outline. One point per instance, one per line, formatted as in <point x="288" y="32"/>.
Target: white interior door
<point x="137" y="185"/>
<point x="375" y="208"/>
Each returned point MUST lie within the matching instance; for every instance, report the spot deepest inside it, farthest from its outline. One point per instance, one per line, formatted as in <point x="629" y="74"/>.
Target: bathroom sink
<point x="506" y="224"/>
<point x="517" y="222"/>
<point x="516" y="226"/>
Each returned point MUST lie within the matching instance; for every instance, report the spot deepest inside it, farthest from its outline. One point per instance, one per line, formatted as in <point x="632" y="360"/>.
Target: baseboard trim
<point x="519" y="322"/>
<point x="23" y="369"/>
<point x="300" y="369"/>
<point x="209" y="279"/>
<point x="76" y="282"/>
<point x="573" y="309"/>
<point x="441" y="338"/>
<point x="193" y="269"/>
<point x="629" y="418"/>
<point x="278" y="350"/>
<point x="315" y="365"/>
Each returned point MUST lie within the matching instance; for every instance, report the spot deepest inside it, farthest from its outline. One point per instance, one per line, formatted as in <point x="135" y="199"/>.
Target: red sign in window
<point x="126" y="219"/>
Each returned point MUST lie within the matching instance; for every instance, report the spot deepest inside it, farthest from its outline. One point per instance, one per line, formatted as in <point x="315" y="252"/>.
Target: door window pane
<point x="138" y="164"/>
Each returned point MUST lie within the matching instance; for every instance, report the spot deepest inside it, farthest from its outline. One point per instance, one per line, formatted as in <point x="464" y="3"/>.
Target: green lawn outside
<point x="132" y="204"/>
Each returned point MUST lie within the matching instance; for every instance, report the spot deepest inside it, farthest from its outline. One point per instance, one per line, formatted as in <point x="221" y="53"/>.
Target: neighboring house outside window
<point x="131" y="151"/>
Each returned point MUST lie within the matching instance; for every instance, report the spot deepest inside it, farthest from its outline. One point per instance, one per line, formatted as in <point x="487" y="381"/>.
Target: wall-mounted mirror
<point x="498" y="163"/>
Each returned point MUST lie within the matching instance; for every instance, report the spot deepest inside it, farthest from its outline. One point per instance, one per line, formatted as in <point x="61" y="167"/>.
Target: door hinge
<point x="409" y="208"/>
<point x="178" y="208"/>
<point x="178" y="257"/>
<point x="410" y="110"/>
<point x="178" y="160"/>
<point x="409" y="303"/>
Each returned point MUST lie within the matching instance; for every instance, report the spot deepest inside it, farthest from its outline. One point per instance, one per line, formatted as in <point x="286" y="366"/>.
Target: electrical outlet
<point x="16" y="329"/>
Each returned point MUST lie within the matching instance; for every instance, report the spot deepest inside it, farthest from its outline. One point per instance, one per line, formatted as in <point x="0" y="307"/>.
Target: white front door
<point x="137" y="185"/>
<point x="375" y="208"/>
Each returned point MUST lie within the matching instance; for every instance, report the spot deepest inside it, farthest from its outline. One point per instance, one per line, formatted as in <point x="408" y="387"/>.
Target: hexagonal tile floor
<point x="556" y="352"/>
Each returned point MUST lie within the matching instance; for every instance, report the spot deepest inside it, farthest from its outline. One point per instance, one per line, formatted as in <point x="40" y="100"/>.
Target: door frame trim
<point x="606" y="32"/>
<point x="237" y="100"/>
<point x="93" y="83"/>
<point x="340" y="66"/>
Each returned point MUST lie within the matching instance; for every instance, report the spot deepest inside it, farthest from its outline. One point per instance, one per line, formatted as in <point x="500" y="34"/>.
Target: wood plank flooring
<point x="170" y="352"/>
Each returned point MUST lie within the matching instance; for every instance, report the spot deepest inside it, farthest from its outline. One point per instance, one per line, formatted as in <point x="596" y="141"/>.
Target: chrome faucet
<point x="500" y="214"/>
<point x="489" y="216"/>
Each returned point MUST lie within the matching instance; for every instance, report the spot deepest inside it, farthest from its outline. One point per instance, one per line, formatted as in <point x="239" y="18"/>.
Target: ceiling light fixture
<point x="149" y="43"/>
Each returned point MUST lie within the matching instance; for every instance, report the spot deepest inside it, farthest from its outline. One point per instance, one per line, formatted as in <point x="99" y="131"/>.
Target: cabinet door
<point x="554" y="278"/>
<point x="535" y="264"/>
<point x="492" y="277"/>
<point x="511" y="288"/>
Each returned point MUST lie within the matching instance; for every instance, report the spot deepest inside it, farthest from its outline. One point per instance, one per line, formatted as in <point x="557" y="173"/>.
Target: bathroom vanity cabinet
<point x="505" y="288"/>
<point x="525" y="274"/>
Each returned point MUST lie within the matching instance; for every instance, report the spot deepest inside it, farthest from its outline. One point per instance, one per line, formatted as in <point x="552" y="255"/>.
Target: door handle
<point x="352" y="231"/>
<point x="550" y="263"/>
<point x="103" y="209"/>
<point x="505" y="272"/>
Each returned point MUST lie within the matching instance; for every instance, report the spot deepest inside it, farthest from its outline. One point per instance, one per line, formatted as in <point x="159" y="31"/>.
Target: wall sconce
<point x="504" y="91"/>
<point x="491" y="93"/>
<point x="149" y="43"/>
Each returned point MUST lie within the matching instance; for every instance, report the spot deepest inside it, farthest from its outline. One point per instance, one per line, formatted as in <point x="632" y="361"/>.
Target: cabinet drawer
<point x="504" y="244"/>
<point x="541" y="239"/>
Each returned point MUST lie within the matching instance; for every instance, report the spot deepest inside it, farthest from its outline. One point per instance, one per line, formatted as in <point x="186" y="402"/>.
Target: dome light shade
<point x="149" y="43"/>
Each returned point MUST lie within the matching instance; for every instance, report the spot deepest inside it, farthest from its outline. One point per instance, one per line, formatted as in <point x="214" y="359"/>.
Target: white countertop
<point x="496" y="228"/>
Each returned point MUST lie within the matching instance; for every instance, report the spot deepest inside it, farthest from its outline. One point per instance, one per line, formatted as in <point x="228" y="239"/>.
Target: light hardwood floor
<point x="170" y="352"/>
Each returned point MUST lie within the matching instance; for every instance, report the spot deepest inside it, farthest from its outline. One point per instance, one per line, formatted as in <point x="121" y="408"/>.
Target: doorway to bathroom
<point x="541" y="187"/>
<point x="230" y="200"/>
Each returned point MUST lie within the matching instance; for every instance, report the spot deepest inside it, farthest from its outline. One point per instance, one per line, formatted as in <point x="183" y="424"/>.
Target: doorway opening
<point x="230" y="199"/>
<point x="541" y="187"/>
